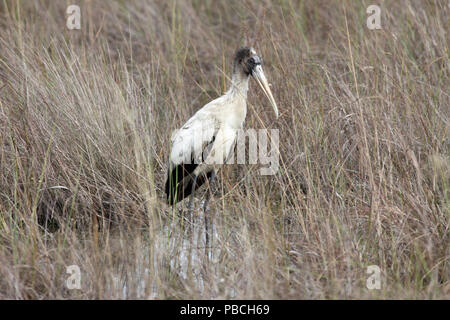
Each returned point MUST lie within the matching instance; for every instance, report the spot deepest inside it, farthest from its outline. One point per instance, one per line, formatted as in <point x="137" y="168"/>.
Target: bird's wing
<point x="219" y="151"/>
<point x="200" y="140"/>
<point x="189" y="142"/>
<point x="190" y="146"/>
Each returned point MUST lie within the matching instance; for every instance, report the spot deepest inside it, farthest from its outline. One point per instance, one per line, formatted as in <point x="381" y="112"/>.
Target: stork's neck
<point x="239" y="85"/>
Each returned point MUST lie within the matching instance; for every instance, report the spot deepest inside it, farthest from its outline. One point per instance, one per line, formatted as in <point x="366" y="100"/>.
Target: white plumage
<point x="211" y="122"/>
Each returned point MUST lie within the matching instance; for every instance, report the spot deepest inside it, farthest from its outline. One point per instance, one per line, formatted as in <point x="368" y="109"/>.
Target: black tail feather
<point x="179" y="182"/>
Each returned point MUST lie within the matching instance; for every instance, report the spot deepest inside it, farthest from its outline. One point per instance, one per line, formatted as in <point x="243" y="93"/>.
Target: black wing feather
<point x="179" y="182"/>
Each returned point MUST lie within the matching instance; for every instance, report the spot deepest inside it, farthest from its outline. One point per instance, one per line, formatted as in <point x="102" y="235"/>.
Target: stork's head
<point x="248" y="63"/>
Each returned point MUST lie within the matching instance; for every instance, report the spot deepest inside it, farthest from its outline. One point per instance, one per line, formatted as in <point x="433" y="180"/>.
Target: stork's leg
<point x="208" y="195"/>
<point x="191" y="200"/>
<point x="206" y="207"/>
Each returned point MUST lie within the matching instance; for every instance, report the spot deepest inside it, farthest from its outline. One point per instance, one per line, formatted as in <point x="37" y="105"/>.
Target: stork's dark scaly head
<point x="247" y="62"/>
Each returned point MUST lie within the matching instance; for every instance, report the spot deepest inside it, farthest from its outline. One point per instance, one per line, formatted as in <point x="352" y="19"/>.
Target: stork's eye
<point x="253" y="61"/>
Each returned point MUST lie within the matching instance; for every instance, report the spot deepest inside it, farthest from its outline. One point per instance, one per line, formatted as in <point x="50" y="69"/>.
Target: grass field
<point x="85" y="123"/>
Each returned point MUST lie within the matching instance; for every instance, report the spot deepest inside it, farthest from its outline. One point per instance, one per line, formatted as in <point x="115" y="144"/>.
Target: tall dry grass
<point x="85" y="121"/>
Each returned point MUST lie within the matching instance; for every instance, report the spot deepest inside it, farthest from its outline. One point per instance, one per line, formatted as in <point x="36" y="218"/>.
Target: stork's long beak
<point x="259" y="76"/>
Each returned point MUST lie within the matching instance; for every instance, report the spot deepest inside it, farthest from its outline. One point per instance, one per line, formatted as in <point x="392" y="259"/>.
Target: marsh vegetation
<point x="85" y="122"/>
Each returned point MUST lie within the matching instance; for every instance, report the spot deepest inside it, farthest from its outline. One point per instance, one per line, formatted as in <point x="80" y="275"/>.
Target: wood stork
<point x="207" y="138"/>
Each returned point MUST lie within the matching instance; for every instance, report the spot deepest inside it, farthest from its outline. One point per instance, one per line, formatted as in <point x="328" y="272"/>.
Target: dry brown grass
<point x="363" y="128"/>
